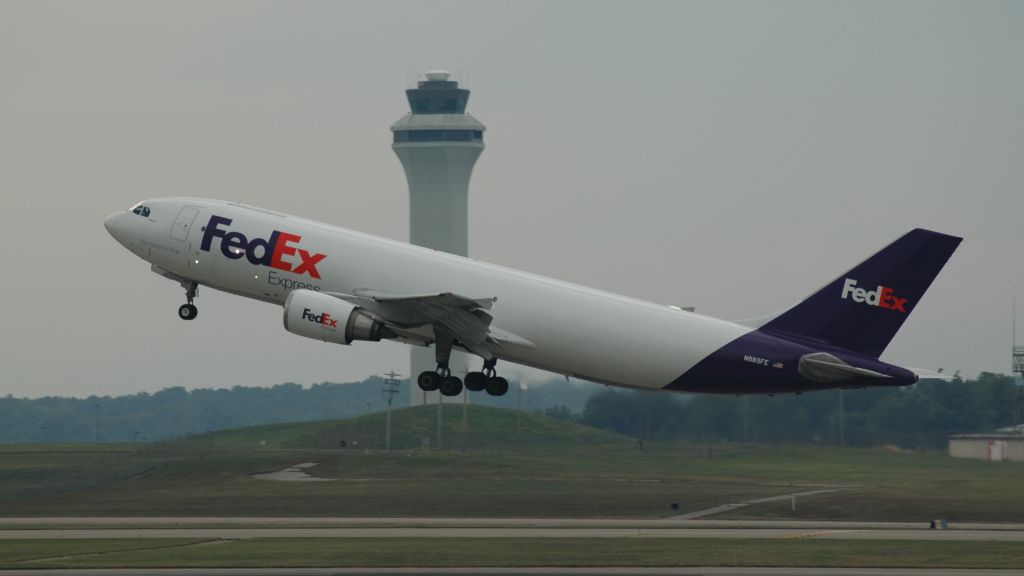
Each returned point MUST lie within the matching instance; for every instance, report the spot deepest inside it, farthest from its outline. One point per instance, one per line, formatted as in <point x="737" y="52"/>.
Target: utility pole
<point x="1018" y="362"/>
<point x="1018" y="351"/>
<point x="746" y="418"/>
<point x="519" y="411"/>
<point x="842" y="420"/>
<point x="465" y="417"/>
<point x="390" y="389"/>
<point x="97" y="407"/>
<point x="440" y="420"/>
<point x="465" y="411"/>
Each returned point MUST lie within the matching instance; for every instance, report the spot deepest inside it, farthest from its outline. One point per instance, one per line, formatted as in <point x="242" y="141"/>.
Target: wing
<point x="446" y="314"/>
<point x="443" y="299"/>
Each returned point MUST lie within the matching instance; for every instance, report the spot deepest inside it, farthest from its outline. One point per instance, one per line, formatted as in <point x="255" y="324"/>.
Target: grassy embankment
<point x="512" y="466"/>
<point x="507" y="465"/>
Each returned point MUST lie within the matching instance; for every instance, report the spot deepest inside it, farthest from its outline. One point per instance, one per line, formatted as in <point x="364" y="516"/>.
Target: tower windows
<point x="439" y="136"/>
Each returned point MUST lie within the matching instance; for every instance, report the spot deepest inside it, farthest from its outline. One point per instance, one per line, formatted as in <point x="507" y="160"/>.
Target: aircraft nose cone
<point x="116" y="226"/>
<point x="111" y="223"/>
<point x="108" y="223"/>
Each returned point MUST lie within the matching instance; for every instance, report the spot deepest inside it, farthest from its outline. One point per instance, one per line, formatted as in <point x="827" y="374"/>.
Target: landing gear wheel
<point x="476" y="381"/>
<point x="497" y="386"/>
<point x="429" y="381"/>
<point x="188" y="312"/>
<point x="451" y="386"/>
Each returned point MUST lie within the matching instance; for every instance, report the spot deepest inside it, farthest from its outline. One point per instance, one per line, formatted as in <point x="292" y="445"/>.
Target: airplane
<point x="341" y="286"/>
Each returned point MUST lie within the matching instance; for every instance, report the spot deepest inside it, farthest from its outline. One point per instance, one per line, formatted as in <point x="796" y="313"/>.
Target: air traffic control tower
<point x="438" y="144"/>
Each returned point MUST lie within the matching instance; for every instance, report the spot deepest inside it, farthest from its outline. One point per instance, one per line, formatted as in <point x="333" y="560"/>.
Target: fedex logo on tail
<point x="278" y="251"/>
<point x="881" y="296"/>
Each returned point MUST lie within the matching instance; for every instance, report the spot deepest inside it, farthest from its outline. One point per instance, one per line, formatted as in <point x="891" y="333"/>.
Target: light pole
<point x="519" y="410"/>
<point x="842" y="420"/>
<point x="440" y="420"/>
<point x="390" y="389"/>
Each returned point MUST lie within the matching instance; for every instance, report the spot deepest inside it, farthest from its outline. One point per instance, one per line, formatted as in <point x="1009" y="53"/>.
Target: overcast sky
<point x="729" y="156"/>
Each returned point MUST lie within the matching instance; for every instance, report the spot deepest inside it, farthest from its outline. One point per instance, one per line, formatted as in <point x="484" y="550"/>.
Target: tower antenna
<point x="1018" y="351"/>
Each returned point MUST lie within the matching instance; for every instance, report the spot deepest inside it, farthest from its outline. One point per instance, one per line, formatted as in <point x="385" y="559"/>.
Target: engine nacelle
<point x="315" y="315"/>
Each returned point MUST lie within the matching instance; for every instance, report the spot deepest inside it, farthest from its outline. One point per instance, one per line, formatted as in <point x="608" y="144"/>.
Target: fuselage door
<point x="184" y="222"/>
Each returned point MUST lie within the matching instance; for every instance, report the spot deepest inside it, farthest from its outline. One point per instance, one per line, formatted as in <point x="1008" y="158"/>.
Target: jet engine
<point x="323" y="317"/>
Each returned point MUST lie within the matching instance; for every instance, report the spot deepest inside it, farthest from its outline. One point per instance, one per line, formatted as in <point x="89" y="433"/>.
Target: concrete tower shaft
<point x="438" y="172"/>
<point x="438" y="145"/>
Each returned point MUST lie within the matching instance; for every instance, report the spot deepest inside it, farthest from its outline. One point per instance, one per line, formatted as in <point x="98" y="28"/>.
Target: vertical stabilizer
<point x="863" y="309"/>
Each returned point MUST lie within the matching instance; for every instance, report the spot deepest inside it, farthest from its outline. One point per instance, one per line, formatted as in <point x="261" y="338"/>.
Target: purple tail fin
<point x="864" y="308"/>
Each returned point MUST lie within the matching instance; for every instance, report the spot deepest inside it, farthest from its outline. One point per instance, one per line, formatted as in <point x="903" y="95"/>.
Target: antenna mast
<point x="1018" y="351"/>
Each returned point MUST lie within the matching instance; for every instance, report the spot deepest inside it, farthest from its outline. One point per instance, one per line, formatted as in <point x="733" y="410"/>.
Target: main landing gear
<point x="189" y="311"/>
<point x="442" y="379"/>
<point x="487" y="379"/>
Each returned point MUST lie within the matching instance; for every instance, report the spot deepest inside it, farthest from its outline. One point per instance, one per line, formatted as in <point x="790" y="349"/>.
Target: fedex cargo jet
<point x="340" y="286"/>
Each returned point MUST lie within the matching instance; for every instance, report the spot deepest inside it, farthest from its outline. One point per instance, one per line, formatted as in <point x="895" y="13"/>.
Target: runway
<point x="540" y="571"/>
<point x="93" y="522"/>
<point x="227" y="529"/>
<point x="505" y="528"/>
<point x="233" y="533"/>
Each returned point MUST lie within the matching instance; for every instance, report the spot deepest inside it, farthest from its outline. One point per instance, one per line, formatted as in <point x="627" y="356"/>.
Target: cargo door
<point x="179" y="231"/>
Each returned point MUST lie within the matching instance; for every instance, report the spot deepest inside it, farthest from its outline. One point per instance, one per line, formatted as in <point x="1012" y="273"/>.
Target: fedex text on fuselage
<point x="261" y="252"/>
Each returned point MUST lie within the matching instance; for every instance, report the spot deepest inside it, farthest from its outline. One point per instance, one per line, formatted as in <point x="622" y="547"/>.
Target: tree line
<point x="920" y="416"/>
<point x="176" y="412"/>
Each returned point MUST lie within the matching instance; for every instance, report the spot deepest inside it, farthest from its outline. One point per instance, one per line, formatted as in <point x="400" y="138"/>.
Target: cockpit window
<point x="141" y="211"/>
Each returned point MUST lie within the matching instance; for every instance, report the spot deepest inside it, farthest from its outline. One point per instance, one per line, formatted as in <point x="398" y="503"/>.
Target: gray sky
<point x="729" y="156"/>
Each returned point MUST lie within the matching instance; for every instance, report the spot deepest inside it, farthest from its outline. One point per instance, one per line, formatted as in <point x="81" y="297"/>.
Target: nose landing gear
<point x="189" y="311"/>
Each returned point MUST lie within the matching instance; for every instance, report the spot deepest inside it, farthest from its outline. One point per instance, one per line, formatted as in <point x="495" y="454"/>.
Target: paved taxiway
<point x="541" y="571"/>
<point x="236" y="528"/>
<point x="243" y="528"/>
<point x="233" y="533"/>
<point x="93" y="522"/>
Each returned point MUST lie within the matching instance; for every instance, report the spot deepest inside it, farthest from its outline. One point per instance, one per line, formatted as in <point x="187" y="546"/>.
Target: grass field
<point x="518" y="466"/>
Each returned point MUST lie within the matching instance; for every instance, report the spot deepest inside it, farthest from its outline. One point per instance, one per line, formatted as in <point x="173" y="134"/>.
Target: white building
<point x="438" y="145"/>
<point x="994" y="447"/>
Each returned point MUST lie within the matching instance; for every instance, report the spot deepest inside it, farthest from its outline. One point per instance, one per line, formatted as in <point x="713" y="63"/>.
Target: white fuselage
<point x="574" y="330"/>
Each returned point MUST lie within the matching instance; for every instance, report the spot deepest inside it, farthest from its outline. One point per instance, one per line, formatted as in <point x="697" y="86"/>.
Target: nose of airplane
<point x="116" y="225"/>
<point x="111" y="223"/>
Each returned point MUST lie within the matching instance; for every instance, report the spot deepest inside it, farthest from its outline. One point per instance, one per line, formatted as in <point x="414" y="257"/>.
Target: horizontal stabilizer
<point x="926" y="374"/>
<point x="827" y="369"/>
